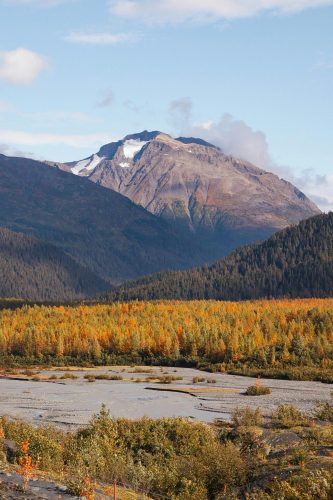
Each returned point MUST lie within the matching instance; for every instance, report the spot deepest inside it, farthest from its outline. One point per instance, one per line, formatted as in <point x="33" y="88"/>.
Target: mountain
<point x="31" y="269"/>
<point x="223" y="201"/>
<point x="102" y="230"/>
<point x="295" y="262"/>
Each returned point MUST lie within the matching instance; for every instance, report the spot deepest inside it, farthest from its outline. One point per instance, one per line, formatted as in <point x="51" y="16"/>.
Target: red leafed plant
<point x="27" y="466"/>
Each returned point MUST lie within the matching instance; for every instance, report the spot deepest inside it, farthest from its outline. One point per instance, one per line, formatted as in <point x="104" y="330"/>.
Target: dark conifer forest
<point x="34" y="270"/>
<point x="296" y="262"/>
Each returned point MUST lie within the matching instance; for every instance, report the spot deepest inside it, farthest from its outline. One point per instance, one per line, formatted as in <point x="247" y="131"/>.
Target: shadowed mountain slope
<point x="102" y="230"/>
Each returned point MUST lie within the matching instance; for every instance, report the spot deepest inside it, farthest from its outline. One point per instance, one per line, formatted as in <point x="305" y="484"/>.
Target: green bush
<point x="246" y="417"/>
<point x="324" y="411"/>
<point x="308" y="485"/>
<point x="198" y="380"/>
<point x="227" y="470"/>
<point x="103" y="376"/>
<point x="299" y="455"/>
<point x="257" y="390"/>
<point x="288" y="416"/>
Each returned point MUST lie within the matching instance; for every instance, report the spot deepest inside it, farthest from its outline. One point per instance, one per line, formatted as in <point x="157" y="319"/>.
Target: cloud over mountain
<point x="237" y="138"/>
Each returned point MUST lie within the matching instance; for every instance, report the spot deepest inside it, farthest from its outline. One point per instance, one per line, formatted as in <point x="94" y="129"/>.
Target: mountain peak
<point x="192" y="183"/>
<point x="108" y="151"/>
<point x="143" y="136"/>
<point x="196" y="140"/>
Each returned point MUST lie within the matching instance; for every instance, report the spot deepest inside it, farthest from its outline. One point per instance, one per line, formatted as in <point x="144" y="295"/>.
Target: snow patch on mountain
<point x="89" y="164"/>
<point x="80" y="165"/>
<point x="132" y="147"/>
<point x="124" y="164"/>
<point x="96" y="160"/>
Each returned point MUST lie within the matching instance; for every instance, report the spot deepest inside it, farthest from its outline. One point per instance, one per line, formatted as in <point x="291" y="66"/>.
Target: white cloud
<point x="318" y="187"/>
<point x="7" y="150"/>
<point x="207" y="10"/>
<point x="21" y="66"/>
<point x="38" y="139"/>
<point x="235" y="138"/>
<point x="101" y="38"/>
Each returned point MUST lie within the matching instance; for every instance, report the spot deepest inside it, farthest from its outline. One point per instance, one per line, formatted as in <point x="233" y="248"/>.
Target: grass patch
<point x="68" y="376"/>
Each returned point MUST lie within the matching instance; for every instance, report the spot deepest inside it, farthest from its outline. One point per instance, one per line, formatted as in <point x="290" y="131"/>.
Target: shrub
<point x="103" y="376"/>
<point x="227" y="471"/>
<point x="258" y="389"/>
<point x="299" y="456"/>
<point x="246" y="417"/>
<point x="324" y="411"/>
<point x="255" y="390"/>
<point x="197" y="380"/>
<point x="287" y="416"/>
<point x="307" y="485"/>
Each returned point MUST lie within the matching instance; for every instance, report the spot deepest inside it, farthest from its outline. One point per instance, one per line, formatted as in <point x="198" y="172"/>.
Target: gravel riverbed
<point x="71" y="403"/>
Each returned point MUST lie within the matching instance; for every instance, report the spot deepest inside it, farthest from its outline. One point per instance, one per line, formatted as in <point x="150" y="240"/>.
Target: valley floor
<point x="69" y="397"/>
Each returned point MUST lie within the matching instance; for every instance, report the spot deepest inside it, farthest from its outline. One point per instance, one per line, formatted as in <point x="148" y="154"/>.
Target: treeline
<point x="34" y="270"/>
<point x="296" y="262"/>
<point x="230" y="335"/>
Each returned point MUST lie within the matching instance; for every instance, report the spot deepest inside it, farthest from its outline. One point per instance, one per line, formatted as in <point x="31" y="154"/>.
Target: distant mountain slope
<point x="224" y="201"/>
<point x="31" y="269"/>
<point x="296" y="262"/>
<point x="103" y="230"/>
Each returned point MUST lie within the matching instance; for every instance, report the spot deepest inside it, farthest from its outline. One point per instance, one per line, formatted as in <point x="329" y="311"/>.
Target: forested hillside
<point x="102" y="230"/>
<point x="38" y="271"/>
<point x="296" y="262"/>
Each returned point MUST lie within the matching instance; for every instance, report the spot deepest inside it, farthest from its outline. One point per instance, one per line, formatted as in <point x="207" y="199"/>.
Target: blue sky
<point x="253" y="76"/>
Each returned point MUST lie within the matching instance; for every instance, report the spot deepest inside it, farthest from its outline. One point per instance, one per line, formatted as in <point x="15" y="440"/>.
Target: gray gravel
<point x="70" y="403"/>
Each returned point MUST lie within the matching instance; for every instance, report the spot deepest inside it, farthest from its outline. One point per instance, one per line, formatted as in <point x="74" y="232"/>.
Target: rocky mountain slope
<point x="295" y="262"/>
<point x="102" y="230"/>
<point x="226" y="202"/>
<point x="31" y="269"/>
